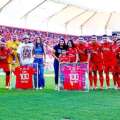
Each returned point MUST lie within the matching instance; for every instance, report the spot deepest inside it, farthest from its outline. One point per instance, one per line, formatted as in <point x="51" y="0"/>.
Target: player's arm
<point x="33" y="53"/>
<point x="5" y="56"/>
<point x="11" y="53"/>
<point x="90" y="53"/>
<point x="77" y="56"/>
<point x="51" y="49"/>
<point x="53" y="54"/>
<point x="18" y="54"/>
<point x="61" y="58"/>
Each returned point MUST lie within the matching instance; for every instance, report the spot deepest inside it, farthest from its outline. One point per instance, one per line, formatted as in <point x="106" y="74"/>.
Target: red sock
<point x="119" y="83"/>
<point x="107" y="79"/>
<point x="95" y="80"/>
<point x="115" y="79"/>
<point x="7" y="79"/>
<point x="118" y="80"/>
<point x="101" y="79"/>
<point x="91" y="79"/>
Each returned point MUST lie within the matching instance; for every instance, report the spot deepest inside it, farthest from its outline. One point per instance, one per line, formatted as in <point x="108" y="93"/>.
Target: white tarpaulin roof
<point x="77" y="17"/>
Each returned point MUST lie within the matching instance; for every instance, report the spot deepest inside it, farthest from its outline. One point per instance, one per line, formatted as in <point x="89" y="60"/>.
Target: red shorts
<point x="118" y="81"/>
<point x="117" y="69"/>
<point x="5" y="67"/>
<point x="109" y="66"/>
<point x="96" y="67"/>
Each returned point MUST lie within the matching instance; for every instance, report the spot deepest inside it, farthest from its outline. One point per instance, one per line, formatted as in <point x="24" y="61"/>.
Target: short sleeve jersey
<point x="59" y="50"/>
<point x="24" y="76"/>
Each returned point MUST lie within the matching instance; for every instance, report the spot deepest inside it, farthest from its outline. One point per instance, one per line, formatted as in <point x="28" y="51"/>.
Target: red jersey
<point x="71" y="52"/>
<point x="82" y="51"/>
<point x="96" y="54"/>
<point x="24" y="77"/>
<point x="63" y="58"/>
<point x="108" y="54"/>
<point x="117" y="65"/>
<point x="114" y="47"/>
<point x="118" y="56"/>
<point x="5" y="52"/>
<point x="73" y="79"/>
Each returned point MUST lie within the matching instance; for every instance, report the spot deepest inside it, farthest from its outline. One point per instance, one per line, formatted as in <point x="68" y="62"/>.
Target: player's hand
<point x="58" y="59"/>
<point x="63" y="62"/>
<point x="2" y="58"/>
<point x="95" y="52"/>
<point x="81" y="52"/>
<point x="76" y="61"/>
<point x="44" y="63"/>
<point x="14" y="62"/>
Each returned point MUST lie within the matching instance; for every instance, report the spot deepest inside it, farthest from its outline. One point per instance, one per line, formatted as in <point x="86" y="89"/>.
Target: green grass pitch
<point x="49" y="104"/>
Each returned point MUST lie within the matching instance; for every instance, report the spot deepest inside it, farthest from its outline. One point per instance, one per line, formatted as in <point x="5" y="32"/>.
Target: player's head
<point x="70" y="44"/>
<point x="14" y="37"/>
<point x="105" y="38"/>
<point x="81" y="40"/>
<point x="38" y="41"/>
<point x="2" y="43"/>
<point x="93" y="38"/>
<point x="61" y="42"/>
<point x="26" y="39"/>
<point x="114" y="37"/>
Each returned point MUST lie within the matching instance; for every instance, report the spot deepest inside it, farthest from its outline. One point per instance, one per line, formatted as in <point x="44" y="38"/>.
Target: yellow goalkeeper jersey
<point x="13" y="45"/>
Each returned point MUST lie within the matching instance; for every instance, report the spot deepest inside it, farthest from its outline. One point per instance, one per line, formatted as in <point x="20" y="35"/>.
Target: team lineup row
<point x="102" y="56"/>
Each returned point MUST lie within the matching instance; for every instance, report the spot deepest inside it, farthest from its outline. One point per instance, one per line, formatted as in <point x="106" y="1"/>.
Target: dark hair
<point x="71" y="43"/>
<point x="104" y="35"/>
<point x="41" y="43"/>
<point x="64" y="45"/>
<point x="114" y="34"/>
<point x="94" y="36"/>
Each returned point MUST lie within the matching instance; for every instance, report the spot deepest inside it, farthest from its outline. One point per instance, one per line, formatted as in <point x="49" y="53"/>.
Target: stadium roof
<point x="77" y="17"/>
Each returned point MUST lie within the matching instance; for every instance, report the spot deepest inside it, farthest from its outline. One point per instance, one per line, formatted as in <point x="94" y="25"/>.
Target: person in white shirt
<point x="25" y="51"/>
